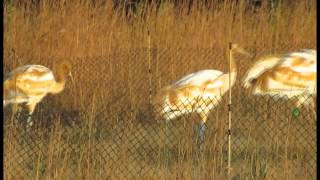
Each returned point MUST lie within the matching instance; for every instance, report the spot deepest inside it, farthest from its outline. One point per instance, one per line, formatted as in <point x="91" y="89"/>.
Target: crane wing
<point x="259" y="68"/>
<point x="26" y="69"/>
<point x="198" y="78"/>
<point x="295" y="71"/>
<point x="304" y="61"/>
<point x="31" y="77"/>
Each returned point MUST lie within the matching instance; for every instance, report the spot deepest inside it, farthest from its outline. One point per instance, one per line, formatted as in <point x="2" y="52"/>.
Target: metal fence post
<point x="150" y="75"/>
<point x="229" y="115"/>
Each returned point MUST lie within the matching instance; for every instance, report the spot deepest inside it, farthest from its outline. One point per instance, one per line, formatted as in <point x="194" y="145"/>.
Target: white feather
<point x="259" y="68"/>
<point x="305" y="55"/>
<point x="28" y="68"/>
<point x="47" y="77"/>
<point x="286" y="60"/>
<point x="198" y="78"/>
<point x="311" y="51"/>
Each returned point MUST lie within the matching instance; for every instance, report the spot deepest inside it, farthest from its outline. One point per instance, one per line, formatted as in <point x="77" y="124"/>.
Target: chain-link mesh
<point x="103" y="126"/>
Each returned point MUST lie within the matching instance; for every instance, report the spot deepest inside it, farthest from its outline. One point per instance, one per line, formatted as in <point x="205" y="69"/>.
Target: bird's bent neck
<point x="233" y="66"/>
<point x="60" y="78"/>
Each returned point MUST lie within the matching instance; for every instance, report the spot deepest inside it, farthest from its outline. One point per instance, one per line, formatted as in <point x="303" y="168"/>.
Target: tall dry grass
<point x="79" y="30"/>
<point x="110" y="65"/>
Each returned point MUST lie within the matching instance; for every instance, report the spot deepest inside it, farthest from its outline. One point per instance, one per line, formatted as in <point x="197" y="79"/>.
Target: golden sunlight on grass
<point x="103" y="127"/>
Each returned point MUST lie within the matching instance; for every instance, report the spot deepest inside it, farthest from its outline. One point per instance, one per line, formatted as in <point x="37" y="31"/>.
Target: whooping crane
<point x="31" y="83"/>
<point x="287" y="76"/>
<point x="198" y="92"/>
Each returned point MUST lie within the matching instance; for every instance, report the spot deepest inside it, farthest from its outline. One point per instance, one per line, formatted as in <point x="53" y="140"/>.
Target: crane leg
<point x="201" y="133"/>
<point x="201" y="130"/>
<point x="29" y="121"/>
<point x="31" y="108"/>
<point x="16" y="110"/>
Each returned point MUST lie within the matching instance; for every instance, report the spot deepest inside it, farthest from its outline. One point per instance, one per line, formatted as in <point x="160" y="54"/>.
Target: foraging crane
<point x="198" y="92"/>
<point x="31" y="83"/>
<point x="290" y="75"/>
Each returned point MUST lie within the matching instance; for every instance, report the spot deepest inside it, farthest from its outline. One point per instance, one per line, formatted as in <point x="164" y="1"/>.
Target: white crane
<point x="291" y="75"/>
<point x="198" y="92"/>
<point x="31" y="83"/>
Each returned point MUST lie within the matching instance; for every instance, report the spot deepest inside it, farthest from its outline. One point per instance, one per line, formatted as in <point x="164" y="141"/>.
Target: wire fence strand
<point x="105" y="126"/>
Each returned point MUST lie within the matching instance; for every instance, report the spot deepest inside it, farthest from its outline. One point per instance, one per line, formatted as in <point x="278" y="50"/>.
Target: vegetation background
<point x="112" y="46"/>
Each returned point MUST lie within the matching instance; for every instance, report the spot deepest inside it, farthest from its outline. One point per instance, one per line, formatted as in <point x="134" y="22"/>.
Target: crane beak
<point x="71" y="77"/>
<point x="239" y="49"/>
<point x="244" y="52"/>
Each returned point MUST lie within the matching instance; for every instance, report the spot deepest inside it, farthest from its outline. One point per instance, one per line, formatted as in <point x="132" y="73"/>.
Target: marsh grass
<point x="103" y="126"/>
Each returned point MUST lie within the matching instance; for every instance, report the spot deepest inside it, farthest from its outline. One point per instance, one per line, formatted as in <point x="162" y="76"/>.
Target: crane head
<point x="237" y="48"/>
<point x="66" y="67"/>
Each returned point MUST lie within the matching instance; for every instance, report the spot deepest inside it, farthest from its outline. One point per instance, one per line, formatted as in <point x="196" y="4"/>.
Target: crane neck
<point x="233" y="65"/>
<point x="60" y="79"/>
<point x="232" y="68"/>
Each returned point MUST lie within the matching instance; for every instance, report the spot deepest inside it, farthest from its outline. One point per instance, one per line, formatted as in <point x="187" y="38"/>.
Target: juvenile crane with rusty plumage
<point x="287" y="76"/>
<point x="198" y="92"/>
<point x="31" y="83"/>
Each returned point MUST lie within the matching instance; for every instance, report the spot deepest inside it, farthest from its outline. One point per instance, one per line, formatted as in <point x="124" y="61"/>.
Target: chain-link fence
<point x="104" y="127"/>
